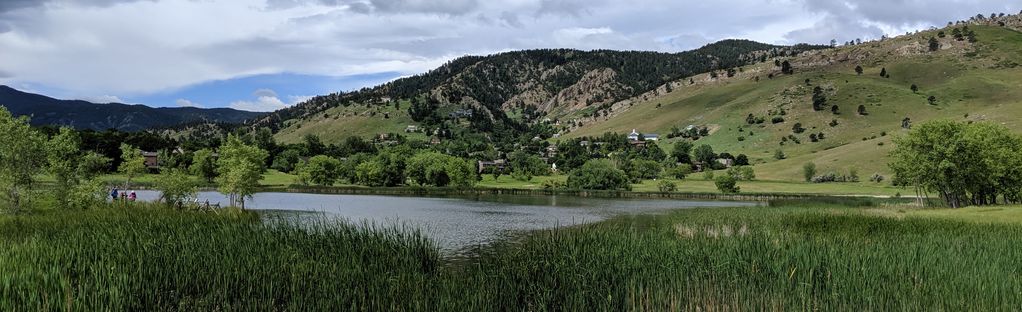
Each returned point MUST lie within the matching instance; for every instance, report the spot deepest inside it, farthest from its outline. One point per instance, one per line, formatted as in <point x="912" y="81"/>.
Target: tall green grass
<point x="823" y="257"/>
<point x="156" y="259"/>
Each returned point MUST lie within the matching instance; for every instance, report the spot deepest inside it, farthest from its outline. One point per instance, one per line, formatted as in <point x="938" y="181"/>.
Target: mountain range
<point x="80" y="114"/>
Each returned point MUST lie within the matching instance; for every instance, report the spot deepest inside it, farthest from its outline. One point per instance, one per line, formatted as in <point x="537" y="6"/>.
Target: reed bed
<point x="784" y="257"/>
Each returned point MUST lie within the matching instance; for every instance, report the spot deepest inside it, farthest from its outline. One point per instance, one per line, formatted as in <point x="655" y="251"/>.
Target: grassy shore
<point x="786" y="257"/>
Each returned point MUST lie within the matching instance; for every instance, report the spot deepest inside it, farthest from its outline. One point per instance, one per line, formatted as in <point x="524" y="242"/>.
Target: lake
<point x="456" y="223"/>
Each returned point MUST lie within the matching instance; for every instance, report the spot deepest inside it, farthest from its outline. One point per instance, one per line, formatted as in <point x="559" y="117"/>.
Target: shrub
<point x="742" y="173"/>
<point x="598" y="174"/>
<point x="726" y="184"/>
<point x="667" y="186"/>
<point x="808" y="171"/>
<point x="175" y="187"/>
<point x="553" y="185"/>
<point x="680" y="172"/>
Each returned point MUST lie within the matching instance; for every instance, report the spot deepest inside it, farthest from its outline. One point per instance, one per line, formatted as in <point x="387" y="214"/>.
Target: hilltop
<point x="79" y="114"/>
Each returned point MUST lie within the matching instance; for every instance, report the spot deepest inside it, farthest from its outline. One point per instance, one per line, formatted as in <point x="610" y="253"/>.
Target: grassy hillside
<point x="335" y="124"/>
<point x="975" y="82"/>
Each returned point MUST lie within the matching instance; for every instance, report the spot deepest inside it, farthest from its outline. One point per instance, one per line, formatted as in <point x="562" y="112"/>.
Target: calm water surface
<point x="456" y="223"/>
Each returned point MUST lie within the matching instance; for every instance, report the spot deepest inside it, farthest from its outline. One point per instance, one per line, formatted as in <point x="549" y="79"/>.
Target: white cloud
<point x="186" y="103"/>
<point x="265" y="93"/>
<point x="103" y="99"/>
<point x="295" y="99"/>
<point x="266" y="101"/>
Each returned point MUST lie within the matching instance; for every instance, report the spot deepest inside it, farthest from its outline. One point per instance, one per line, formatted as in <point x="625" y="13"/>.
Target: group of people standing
<point x="124" y="196"/>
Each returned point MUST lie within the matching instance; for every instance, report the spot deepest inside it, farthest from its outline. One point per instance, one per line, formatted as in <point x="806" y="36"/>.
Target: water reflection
<point x="458" y="222"/>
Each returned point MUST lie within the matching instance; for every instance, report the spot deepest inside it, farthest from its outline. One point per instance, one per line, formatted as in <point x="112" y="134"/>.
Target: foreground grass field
<point x="791" y="256"/>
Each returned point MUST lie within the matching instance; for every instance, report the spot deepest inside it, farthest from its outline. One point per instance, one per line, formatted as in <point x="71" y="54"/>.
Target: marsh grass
<point x="823" y="256"/>
<point x="156" y="259"/>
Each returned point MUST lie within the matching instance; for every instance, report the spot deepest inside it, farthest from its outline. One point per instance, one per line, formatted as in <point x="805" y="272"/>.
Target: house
<point x="152" y="160"/>
<point x="411" y="128"/>
<point x="459" y="113"/>
<point x="634" y="136"/>
<point x="551" y="151"/>
<point x="726" y="162"/>
<point x="434" y="140"/>
<point x="486" y="165"/>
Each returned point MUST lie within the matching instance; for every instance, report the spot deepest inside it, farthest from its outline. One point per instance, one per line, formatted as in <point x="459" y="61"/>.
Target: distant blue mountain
<point x="80" y="114"/>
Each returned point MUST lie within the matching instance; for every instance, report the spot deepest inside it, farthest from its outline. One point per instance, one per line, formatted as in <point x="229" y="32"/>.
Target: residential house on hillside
<point x="635" y="135"/>
<point x="727" y="162"/>
<point x="152" y="160"/>
<point x="411" y="128"/>
<point x="487" y="165"/>
<point x="460" y="113"/>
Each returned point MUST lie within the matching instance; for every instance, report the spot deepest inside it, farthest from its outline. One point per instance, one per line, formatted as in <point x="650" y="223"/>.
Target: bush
<point x="727" y="184"/>
<point x="876" y="177"/>
<point x="808" y="171"/>
<point x="598" y="174"/>
<point x="667" y="186"/>
<point x="779" y="154"/>
<point x="319" y="170"/>
<point x="644" y="169"/>
<point x="553" y="185"/>
<point x="708" y="175"/>
<point x="742" y="173"/>
<point x="175" y="187"/>
<point x="680" y="172"/>
<point x="435" y="169"/>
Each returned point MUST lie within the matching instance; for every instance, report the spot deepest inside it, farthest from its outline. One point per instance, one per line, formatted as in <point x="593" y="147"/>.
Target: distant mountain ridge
<point x="80" y="114"/>
<point x="512" y="89"/>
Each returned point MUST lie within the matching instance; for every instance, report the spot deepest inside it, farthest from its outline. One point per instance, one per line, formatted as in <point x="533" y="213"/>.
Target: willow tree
<point x="20" y="147"/>
<point x="963" y="163"/>
<point x="240" y="168"/>
<point x="132" y="162"/>
<point x="74" y="171"/>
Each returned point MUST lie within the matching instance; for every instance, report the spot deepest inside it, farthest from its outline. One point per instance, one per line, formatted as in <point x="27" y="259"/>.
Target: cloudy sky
<point x="266" y="54"/>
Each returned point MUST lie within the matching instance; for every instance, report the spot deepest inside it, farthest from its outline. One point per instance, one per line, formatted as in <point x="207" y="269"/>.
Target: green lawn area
<point x="696" y="184"/>
<point x="989" y="214"/>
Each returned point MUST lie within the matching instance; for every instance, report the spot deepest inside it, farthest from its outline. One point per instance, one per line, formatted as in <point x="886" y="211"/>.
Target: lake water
<point x="458" y="222"/>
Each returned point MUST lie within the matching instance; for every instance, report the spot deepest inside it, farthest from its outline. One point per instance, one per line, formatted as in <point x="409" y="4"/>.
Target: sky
<point x="263" y="55"/>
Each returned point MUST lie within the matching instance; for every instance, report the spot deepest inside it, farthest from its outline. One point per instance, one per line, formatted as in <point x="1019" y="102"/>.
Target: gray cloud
<point x="9" y="5"/>
<point x="845" y="20"/>
<point x="453" y="7"/>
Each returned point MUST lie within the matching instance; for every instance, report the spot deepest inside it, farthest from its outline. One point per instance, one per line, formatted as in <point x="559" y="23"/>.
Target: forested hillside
<point x="504" y="94"/>
<point x="85" y="115"/>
